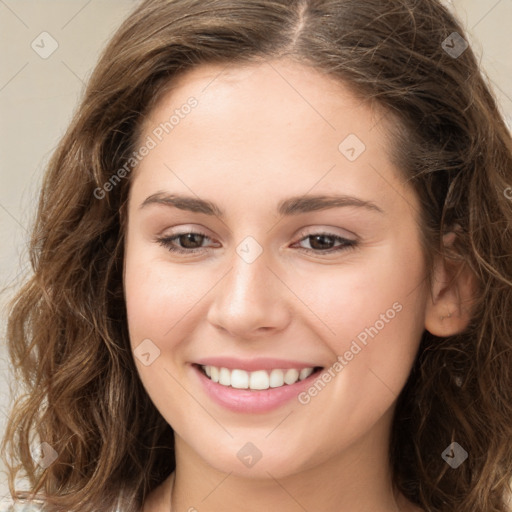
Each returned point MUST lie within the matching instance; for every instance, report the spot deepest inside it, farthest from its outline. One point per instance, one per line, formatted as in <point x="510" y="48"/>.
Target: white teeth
<point x="305" y="373"/>
<point x="259" y="379"/>
<point x="214" y="371"/>
<point x="291" y="376"/>
<point x="224" y="377"/>
<point x="239" y="379"/>
<point x="276" y="378"/>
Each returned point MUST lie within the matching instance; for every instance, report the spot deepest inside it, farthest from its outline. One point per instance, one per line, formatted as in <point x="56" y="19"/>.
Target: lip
<point x="253" y="364"/>
<point x="252" y="401"/>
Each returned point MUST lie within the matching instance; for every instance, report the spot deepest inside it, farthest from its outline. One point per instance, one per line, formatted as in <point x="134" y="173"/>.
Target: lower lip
<point x="252" y="401"/>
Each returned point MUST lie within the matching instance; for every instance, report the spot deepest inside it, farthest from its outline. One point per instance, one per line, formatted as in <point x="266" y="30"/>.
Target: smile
<point x="258" y="391"/>
<point x="256" y="380"/>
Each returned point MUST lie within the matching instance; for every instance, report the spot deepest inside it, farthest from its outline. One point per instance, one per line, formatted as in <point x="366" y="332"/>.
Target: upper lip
<point x="253" y="364"/>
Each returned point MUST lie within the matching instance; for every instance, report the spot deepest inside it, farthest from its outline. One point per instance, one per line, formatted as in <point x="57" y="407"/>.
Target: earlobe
<point x="448" y="309"/>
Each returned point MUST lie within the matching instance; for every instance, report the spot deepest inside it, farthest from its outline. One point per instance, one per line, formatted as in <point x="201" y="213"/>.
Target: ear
<point x="448" y="309"/>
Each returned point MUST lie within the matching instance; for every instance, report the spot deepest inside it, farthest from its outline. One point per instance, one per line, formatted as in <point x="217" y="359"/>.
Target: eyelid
<point x="307" y="231"/>
<point x="346" y="243"/>
<point x="313" y="230"/>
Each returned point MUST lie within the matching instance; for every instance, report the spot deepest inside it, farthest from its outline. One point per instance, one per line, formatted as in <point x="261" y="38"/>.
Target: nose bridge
<point x="250" y="296"/>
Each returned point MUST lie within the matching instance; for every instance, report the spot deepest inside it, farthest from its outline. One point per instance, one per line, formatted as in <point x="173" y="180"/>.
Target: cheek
<point x="157" y="296"/>
<point x="378" y="302"/>
<point x="157" y="302"/>
<point x="377" y="312"/>
<point x="356" y="294"/>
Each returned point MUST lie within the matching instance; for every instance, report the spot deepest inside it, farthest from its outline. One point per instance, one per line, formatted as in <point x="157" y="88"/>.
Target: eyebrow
<point x="290" y="206"/>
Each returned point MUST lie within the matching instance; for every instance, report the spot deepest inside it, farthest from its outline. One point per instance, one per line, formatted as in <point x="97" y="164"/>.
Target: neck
<point x="356" y="480"/>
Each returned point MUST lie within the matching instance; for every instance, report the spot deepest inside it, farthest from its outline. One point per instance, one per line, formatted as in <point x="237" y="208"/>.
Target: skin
<point x="260" y="134"/>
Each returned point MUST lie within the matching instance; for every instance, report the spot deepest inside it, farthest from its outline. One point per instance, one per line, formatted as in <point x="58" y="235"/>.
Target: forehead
<point x="287" y="86"/>
<point x="287" y="125"/>
<point x="272" y="108"/>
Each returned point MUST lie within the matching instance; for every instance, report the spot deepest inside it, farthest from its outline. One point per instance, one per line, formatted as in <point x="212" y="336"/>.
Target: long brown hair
<point x="67" y="328"/>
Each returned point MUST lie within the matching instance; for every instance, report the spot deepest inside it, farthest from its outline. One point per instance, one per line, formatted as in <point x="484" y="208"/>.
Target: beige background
<point x="38" y="97"/>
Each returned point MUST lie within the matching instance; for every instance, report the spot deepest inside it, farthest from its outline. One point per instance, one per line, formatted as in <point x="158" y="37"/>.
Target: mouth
<point x="257" y="380"/>
<point x="257" y="391"/>
<point x="256" y="384"/>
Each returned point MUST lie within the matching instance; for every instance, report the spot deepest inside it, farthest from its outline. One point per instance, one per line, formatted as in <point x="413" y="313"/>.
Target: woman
<point x="340" y="336"/>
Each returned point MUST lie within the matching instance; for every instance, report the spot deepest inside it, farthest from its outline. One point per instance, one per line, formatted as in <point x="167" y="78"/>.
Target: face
<point x="269" y="232"/>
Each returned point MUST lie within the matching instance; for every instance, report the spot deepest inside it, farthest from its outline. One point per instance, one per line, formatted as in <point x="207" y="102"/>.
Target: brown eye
<point x="188" y="239"/>
<point x="188" y="242"/>
<point x="324" y="243"/>
<point x="191" y="242"/>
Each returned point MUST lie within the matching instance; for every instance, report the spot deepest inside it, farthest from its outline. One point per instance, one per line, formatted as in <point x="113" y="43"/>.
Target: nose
<point x="251" y="300"/>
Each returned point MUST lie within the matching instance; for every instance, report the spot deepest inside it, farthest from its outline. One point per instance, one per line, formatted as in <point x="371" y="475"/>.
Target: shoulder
<point x="11" y="506"/>
<point x="24" y="506"/>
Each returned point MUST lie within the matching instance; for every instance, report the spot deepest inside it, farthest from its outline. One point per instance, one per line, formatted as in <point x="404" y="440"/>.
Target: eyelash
<point x="346" y="243"/>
